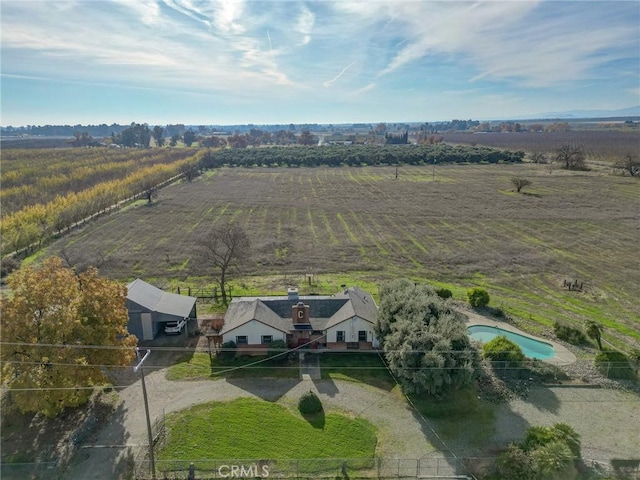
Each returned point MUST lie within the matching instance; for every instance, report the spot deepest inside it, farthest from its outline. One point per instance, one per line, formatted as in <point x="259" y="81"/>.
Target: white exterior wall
<point x="254" y="331"/>
<point x="351" y="327"/>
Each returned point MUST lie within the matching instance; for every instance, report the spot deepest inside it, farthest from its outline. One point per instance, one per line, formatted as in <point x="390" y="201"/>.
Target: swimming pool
<point x="530" y="347"/>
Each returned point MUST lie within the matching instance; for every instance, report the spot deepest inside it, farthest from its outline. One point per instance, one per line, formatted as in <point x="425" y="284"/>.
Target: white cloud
<point x="274" y="49"/>
<point x="304" y="24"/>
<point x="227" y="16"/>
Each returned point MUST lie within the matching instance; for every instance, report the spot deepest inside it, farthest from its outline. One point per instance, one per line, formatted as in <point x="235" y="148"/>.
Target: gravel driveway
<point x="606" y="419"/>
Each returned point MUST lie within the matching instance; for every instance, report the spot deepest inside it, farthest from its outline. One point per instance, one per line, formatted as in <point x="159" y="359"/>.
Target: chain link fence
<point x="433" y="467"/>
<point x="319" y="468"/>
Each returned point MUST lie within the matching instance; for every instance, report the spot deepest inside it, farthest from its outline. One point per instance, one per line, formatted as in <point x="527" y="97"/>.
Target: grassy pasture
<point x="361" y="225"/>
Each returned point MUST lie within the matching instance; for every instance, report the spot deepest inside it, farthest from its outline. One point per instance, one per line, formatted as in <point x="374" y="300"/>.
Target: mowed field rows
<point x="465" y="228"/>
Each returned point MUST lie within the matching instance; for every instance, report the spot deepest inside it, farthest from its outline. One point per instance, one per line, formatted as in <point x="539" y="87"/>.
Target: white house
<point x="341" y="321"/>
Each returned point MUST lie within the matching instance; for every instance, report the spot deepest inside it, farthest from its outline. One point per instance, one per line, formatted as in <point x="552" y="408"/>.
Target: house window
<point x="362" y="335"/>
<point x="241" y="340"/>
<point x="266" y="339"/>
<point x="340" y="336"/>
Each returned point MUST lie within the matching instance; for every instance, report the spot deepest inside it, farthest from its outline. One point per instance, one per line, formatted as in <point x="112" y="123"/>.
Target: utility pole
<point x="146" y="408"/>
<point x="434" y="169"/>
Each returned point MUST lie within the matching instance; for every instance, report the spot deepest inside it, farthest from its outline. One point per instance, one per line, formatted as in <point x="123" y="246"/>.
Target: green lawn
<point x="196" y="366"/>
<point x="358" y="367"/>
<point x="252" y="429"/>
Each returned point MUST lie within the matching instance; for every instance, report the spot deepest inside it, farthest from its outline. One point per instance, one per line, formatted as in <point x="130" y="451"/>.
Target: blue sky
<point x="234" y="61"/>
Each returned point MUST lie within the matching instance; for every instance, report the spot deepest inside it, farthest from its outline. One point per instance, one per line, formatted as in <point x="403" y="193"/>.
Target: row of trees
<point x="35" y="223"/>
<point x="32" y="176"/>
<point x="137" y="135"/>
<point x="400" y="139"/>
<point x="357" y="155"/>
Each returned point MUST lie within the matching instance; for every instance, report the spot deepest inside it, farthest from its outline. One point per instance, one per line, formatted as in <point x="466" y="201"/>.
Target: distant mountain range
<point x="573" y="114"/>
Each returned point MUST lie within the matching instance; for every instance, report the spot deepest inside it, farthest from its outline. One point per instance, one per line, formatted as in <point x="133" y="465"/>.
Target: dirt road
<point x="605" y="419"/>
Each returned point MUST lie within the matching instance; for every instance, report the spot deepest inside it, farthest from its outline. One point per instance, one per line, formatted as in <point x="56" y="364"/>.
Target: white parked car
<point x="174" y="326"/>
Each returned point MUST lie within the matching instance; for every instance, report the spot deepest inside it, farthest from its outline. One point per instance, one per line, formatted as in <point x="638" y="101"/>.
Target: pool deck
<point x="562" y="356"/>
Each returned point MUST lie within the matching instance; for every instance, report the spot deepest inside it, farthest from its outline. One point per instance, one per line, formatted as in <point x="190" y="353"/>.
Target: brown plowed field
<point x="466" y="228"/>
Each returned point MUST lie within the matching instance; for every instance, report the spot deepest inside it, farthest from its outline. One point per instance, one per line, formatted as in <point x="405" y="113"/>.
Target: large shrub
<point x="553" y="460"/>
<point x="515" y="463"/>
<point x="501" y="349"/>
<point x="570" y="334"/>
<point x="426" y="345"/>
<point x="228" y="352"/>
<point x="478" y="297"/>
<point x="614" y="364"/>
<point x="444" y="293"/>
<point x="277" y="349"/>
<point x="309" y="403"/>
<point x="547" y="453"/>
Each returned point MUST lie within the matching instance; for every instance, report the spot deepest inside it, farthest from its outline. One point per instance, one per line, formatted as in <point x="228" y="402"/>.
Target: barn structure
<point x="339" y="322"/>
<point x="150" y="308"/>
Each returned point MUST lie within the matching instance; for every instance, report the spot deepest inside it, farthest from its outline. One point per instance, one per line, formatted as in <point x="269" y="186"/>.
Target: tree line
<point x="35" y="223"/>
<point x="32" y="176"/>
<point x="357" y="155"/>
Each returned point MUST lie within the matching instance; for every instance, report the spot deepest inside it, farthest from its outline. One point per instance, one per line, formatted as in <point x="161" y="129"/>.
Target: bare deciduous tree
<point x="629" y="164"/>
<point x="539" y="157"/>
<point x="571" y="157"/>
<point x="225" y="247"/>
<point x="520" y="183"/>
<point x="149" y="189"/>
<point x="189" y="170"/>
<point x="80" y="263"/>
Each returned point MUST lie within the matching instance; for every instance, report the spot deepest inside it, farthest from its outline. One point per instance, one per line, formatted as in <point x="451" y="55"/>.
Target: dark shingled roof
<point x="318" y="307"/>
<point x="324" y="311"/>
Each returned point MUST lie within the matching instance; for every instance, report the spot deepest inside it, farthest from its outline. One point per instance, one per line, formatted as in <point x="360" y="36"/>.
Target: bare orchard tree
<point x="629" y="165"/>
<point x="571" y="157"/>
<point x="224" y="247"/>
<point x="520" y="183"/>
<point x="189" y="171"/>
<point x="79" y="262"/>
<point x="149" y="189"/>
<point x="539" y="157"/>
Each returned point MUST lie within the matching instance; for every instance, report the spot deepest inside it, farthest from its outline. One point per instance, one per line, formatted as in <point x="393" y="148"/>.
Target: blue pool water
<point x="530" y="347"/>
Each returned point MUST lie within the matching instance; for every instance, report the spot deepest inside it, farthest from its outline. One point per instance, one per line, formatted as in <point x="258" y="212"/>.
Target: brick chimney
<point x="300" y="313"/>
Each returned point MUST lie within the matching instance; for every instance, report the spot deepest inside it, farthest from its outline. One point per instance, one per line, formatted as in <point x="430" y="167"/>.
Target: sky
<point x="223" y="62"/>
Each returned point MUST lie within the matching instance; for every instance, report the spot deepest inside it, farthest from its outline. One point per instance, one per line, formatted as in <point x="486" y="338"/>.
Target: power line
<point x="250" y="349"/>
<point x="524" y="366"/>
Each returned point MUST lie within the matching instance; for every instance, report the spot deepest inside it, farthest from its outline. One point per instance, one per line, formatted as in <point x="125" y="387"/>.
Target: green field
<point x="362" y="226"/>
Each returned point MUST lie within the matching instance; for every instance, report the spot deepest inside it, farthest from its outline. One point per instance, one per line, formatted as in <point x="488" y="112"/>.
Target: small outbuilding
<point x="150" y="308"/>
